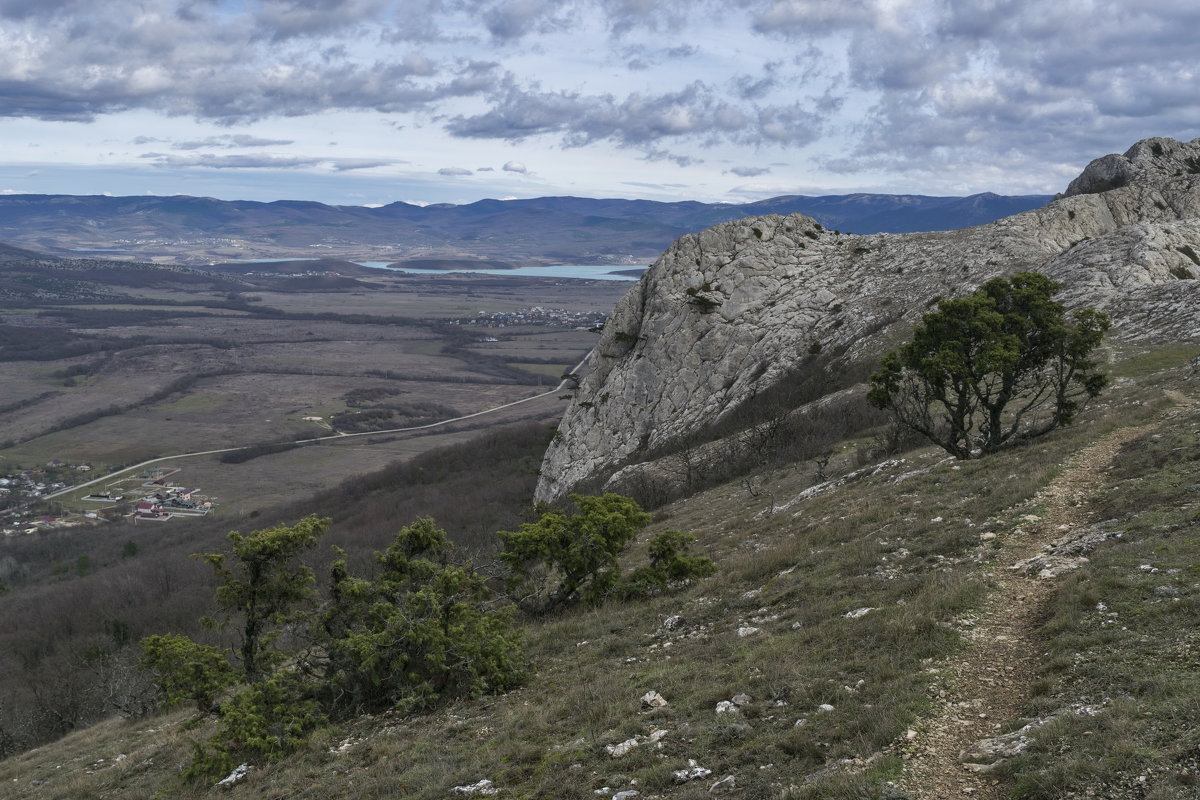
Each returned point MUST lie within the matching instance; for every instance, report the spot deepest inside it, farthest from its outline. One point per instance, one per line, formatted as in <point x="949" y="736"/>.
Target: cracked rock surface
<point x="727" y="312"/>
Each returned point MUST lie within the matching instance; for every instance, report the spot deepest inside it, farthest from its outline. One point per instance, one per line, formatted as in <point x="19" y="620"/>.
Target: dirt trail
<point x="989" y="683"/>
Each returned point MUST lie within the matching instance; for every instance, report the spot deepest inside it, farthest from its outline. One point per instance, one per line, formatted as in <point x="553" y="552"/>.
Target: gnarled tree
<point x="1000" y="366"/>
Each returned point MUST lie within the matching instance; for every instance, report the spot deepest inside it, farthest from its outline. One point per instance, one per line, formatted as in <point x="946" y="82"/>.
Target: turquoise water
<point x="602" y="272"/>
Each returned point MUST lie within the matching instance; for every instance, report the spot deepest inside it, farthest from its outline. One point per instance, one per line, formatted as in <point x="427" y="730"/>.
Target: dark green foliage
<point x="564" y="558"/>
<point x="424" y="630"/>
<point x="993" y="369"/>
<point x="1187" y="250"/>
<point x="259" y="722"/>
<point x="670" y="563"/>
<point x="186" y="671"/>
<point x="265" y="587"/>
<point x="421" y="631"/>
<point x="244" y="454"/>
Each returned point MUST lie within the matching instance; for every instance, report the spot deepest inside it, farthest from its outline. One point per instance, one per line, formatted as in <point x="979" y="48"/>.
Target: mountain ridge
<point x="727" y="313"/>
<point x="543" y="229"/>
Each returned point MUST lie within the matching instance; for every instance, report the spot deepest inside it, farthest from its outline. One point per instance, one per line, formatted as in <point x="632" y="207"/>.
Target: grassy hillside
<point x="839" y="629"/>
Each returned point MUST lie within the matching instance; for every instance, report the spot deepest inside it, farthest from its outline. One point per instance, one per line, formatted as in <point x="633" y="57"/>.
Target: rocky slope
<point x="726" y="312"/>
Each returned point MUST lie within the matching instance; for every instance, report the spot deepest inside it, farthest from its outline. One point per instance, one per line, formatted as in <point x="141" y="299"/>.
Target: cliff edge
<point x="725" y="313"/>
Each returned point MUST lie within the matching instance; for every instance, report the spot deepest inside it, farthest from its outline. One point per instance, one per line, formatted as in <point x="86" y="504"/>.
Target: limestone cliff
<point x="724" y="313"/>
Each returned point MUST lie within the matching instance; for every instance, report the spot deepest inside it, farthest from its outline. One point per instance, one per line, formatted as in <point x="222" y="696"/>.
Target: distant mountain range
<point x="202" y="230"/>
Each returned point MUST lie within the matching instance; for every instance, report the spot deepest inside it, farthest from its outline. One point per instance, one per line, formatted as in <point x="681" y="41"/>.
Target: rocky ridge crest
<point x="725" y="313"/>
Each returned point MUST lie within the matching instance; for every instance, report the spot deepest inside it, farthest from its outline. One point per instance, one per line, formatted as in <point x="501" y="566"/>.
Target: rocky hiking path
<point x="989" y="684"/>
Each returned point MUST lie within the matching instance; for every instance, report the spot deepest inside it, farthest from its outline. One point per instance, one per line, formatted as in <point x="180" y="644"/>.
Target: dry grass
<point x="911" y="549"/>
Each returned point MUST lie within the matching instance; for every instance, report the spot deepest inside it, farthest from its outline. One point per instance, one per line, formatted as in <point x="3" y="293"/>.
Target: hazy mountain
<point x="203" y="229"/>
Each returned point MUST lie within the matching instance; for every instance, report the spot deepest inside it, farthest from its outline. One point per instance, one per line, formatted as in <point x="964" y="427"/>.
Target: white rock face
<point x="725" y="313"/>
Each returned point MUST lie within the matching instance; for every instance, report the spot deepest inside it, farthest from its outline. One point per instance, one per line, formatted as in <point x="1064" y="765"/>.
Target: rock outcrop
<point x="725" y="313"/>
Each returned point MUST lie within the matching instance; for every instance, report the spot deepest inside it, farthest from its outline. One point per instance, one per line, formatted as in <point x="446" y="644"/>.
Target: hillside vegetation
<point x="836" y="651"/>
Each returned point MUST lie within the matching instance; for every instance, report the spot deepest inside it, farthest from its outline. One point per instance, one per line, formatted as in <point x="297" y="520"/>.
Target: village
<point x="38" y="499"/>
<point x="535" y="315"/>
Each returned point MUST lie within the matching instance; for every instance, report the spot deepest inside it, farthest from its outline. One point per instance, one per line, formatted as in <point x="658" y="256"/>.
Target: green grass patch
<point x="1122" y="637"/>
<point x="1140" y="362"/>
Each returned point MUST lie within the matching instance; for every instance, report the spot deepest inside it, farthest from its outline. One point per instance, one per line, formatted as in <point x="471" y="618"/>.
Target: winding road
<point x="338" y="436"/>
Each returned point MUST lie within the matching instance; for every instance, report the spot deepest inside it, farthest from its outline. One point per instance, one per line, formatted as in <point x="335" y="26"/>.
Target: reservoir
<point x="602" y="272"/>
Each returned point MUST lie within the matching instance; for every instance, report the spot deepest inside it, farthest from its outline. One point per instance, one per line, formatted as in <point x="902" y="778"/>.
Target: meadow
<point x="187" y="368"/>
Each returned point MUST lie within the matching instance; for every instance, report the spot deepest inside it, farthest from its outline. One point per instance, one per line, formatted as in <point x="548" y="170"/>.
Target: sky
<point x="366" y="102"/>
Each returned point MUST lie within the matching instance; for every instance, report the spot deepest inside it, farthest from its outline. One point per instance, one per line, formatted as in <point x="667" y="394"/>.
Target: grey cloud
<point x="418" y="23"/>
<point x="228" y="141"/>
<point x="808" y="18"/>
<point x="945" y="82"/>
<point x="902" y="60"/>
<point x="1000" y="87"/>
<point x="683" y="51"/>
<point x="519" y="114"/>
<point x="680" y="160"/>
<point x="453" y="171"/>
<point x="232" y="161"/>
<point x="749" y="172"/>
<point x="639" y="58"/>
<point x="515" y="166"/>
<point x="283" y="19"/>
<point x="347" y="164"/>
<point x="790" y="125"/>
<point x="695" y="113"/>
<point x="624" y="16"/>
<point x="751" y="87"/>
<point x="246" y="161"/>
<point x="516" y="18"/>
<point x="24" y="9"/>
<point x="38" y="99"/>
<point x="485" y="169"/>
<point x="206" y="65"/>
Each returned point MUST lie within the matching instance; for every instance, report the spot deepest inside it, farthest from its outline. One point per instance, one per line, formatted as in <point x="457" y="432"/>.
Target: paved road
<point x="338" y="436"/>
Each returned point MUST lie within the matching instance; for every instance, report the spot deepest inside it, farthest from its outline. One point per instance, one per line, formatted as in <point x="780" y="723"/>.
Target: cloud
<point x="226" y="141"/>
<point x="679" y="159"/>
<point x="808" y="18"/>
<point x="285" y="19"/>
<point x="453" y="171"/>
<point x="749" y="172"/>
<point x="917" y="87"/>
<point x="348" y="164"/>
<point x="232" y="161"/>
<point x="247" y="161"/>
<point x="752" y="87"/>
<point x="516" y="18"/>
<point x="695" y="112"/>
<point x="72" y="61"/>
<point x="515" y="166"/>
